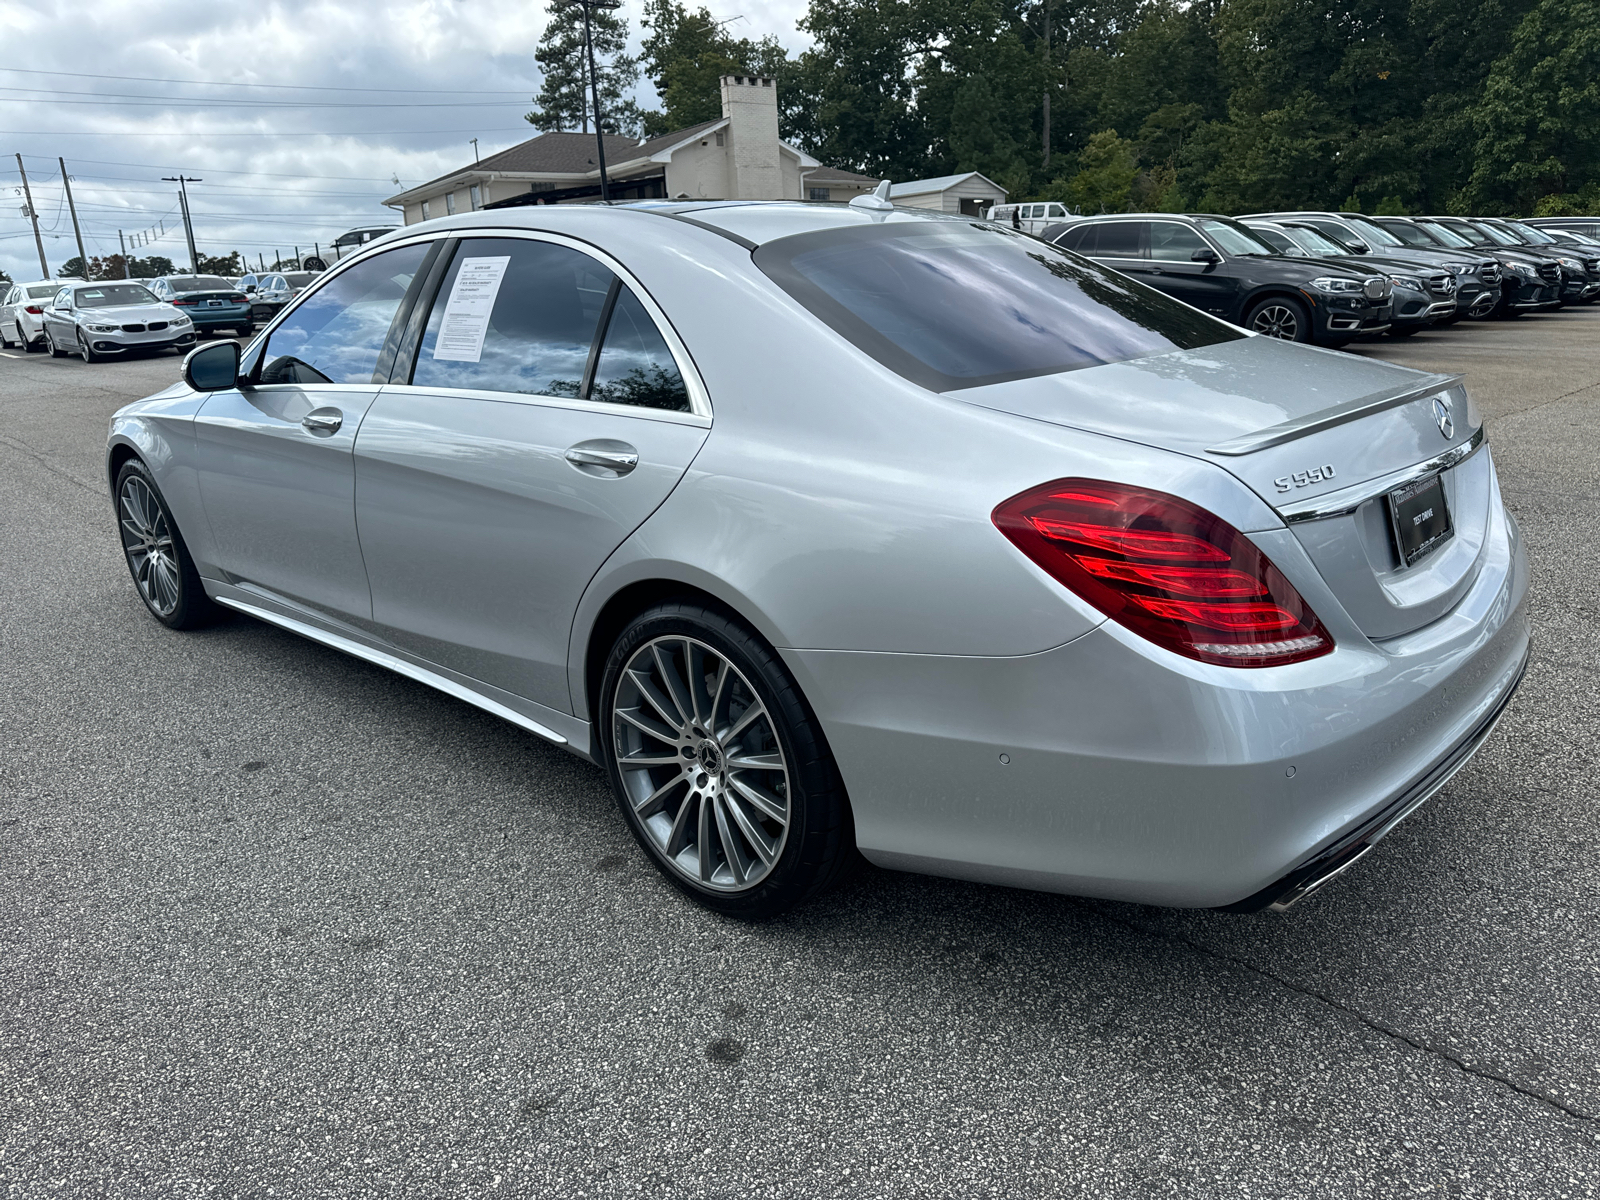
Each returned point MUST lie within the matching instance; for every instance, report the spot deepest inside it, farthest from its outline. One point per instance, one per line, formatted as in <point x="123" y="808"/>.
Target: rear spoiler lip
<point x="1338" y="414"/>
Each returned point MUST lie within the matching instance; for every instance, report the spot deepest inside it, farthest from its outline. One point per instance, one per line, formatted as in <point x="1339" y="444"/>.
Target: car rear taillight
<point x="34" y="309"/>
<point x="237" y="298"/>
<point x="1168" y="570"/>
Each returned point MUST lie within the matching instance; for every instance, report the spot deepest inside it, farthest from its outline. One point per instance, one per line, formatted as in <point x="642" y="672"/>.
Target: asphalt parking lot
<point x="276" y="922"/>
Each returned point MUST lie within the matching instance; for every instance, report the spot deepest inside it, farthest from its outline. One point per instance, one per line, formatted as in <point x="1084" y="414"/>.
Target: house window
<point x="721" y="138"/>
<point x="476" y="194"/>
<point x="425" y="213"/>
<point x="817" y="194"/>
<point x="450" y="203"/>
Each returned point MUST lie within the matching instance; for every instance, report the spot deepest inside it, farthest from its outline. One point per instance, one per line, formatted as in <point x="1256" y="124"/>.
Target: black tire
<point x="27" y="346"/>
<point x="1404" y="331"/>
<point x="50" y="345"/>
<point x="5" y="338"/>
<point x="244" y="331"/>
<point x="191" y="607"/>
<point x="1282" y="317"/>
<point x="86" y="351"/>
<point x="818" y="848"/>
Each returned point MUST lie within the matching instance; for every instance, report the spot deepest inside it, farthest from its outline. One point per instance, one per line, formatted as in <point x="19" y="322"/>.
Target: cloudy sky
<point x="298" y="117"/>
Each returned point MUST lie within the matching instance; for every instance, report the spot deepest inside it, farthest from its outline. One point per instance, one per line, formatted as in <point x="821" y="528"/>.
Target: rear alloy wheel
<point x="157" y="558"/>
<point x="1280" y="317"/>
<point x="718" y="765"/>
<point x="22" y="339"/>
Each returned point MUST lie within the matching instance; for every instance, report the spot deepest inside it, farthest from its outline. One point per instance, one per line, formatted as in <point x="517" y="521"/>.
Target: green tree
<point x="979" y="138"/>
<point x="221" y="265"/>
<point x="564" y="100"/>
<point x="1538" y="121"/>
<point x="685" y="55"/>
<point x="152" y="267"/>
<point x="71" y="269"/>
<point x="1107" y="169"/>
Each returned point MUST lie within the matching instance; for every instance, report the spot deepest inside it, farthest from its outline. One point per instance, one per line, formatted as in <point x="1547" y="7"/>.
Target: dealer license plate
<point x="1420" y="519"/>
<point x="213" y="303"/>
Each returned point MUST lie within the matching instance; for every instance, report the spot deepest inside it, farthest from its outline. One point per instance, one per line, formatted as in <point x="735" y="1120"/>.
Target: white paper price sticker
<point x="466" y="313"/>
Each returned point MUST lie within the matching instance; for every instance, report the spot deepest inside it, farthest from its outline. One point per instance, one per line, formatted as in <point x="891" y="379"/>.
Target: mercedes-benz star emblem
<point x="1441" y="414"/>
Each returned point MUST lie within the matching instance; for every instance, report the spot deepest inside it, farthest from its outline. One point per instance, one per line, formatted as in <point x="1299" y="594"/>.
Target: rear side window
<point x="952" y="305"/>
<point x="337" y="333"/>
<point x="514" y="315"/>
<point x="1120" y="239"/>
<point x="634" y="366"/>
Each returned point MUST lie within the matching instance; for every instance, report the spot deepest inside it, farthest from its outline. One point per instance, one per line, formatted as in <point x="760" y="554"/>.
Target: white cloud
<point x="318" y="171"/>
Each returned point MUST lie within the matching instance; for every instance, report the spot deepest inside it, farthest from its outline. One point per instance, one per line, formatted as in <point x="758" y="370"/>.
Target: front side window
<point x="338" y="331"/>
<point x="1174" y="242"/>
<point x="111" y="294"/>
<point x="1233" y="237"/>
<point x="63" y="299"/>
<point x="952" y="306"/>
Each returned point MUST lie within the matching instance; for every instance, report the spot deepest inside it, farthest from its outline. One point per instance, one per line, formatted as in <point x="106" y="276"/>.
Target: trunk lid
<point x="1321" y="436"/>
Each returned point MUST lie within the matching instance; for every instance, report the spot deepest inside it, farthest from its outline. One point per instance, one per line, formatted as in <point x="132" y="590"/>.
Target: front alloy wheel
<point x="1277" y="320"/>
<point x="89" y="356"/>
<point x="157" y="558"/>
<point x="50" y="345"/>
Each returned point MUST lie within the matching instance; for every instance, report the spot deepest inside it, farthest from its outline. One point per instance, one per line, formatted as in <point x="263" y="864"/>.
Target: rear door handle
<point x="603" y="458"/>
<point x="323" y="420"/>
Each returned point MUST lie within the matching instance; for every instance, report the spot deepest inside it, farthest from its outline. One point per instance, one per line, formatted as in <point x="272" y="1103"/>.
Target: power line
<point x="206" y="133"/>
<point x="101" y="162"/>
<point x="299" y="87"/>
<point x="122" y="100"/>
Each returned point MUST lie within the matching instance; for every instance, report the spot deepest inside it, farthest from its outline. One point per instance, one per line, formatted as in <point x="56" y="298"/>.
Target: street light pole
<point x="38" y="239"/>
<point x="183" y="181"/>
<point x="126" y="274"/>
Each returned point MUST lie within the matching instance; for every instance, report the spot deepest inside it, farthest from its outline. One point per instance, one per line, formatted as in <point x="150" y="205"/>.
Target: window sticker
<point x="466" y="314"/>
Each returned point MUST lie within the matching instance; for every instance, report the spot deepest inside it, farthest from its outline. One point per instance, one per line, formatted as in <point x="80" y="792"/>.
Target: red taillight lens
<point x="238" y="299"/>
<point x="35" y="310"/>
<point x="1166" y="569"/>
<point x="183" y="303"/>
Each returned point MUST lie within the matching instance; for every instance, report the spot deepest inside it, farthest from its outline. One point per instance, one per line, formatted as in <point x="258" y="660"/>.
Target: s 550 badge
<point x="1300" y="479"/>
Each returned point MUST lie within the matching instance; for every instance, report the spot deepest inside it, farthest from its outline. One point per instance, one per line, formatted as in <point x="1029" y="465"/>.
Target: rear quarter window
<point x="950" y="305"/>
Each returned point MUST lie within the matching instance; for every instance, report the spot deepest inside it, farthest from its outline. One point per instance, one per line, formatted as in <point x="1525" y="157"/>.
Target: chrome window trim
<point x="1327" y="418"/>
<point x="534" y="400"/>
<point x="1347" y="500"/>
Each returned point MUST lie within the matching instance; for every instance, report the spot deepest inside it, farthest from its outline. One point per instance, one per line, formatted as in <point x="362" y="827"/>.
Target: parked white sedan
<point x="100" y="319"/>
<point x="22" y="313"/>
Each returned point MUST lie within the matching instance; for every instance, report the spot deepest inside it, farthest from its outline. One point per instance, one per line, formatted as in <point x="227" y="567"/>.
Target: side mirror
<point x="1206" y="255"/>
<point x="212" y="368"/>
<point x="249" y="287"/>
<point x="1360" y="247"/>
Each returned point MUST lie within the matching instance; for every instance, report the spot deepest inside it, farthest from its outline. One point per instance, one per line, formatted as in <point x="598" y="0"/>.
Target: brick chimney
<point x="750" y="102"/>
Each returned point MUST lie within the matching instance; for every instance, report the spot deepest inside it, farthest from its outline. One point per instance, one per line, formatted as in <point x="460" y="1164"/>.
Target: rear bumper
<point x="1108" y="768"/>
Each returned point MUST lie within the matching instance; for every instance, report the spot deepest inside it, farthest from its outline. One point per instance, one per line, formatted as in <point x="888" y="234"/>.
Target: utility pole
<point x="1047" y="84"/>
<point x="38" y="240"/>
<point x="594" y="87"/>
<point x="183" y="182"/>
<point x="123" y="245"/>
<point x="475" y="157"/>
<point x="77" y="232"/>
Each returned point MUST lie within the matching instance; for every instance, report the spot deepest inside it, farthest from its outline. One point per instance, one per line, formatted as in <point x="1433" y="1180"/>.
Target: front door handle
<point x="603" y="458"/>
<point x="323" y="420"/>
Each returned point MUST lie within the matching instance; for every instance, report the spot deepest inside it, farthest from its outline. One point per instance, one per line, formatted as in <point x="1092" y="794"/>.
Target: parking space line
<point x="3" y="354"/>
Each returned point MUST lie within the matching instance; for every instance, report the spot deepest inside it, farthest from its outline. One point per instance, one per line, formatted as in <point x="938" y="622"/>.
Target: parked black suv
<point x="1537" y="277"/>
<point x="1477" y="274"/>
<point x="1423" y="295"/>
<point x="1221" y="267"/>
<point x="1580" y="273"/>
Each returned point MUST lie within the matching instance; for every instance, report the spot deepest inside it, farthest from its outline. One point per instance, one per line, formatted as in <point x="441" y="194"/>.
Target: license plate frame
<point x="214" y="303"/>
<point x="1419" y="518"/>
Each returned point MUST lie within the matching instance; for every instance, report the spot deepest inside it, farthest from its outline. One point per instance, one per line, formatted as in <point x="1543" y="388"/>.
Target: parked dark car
<point x="269" y="291"/>
<point x="1580" y="273"/>
<point x="210" y="301"/>
<point x="1588" y="226"/>
<point x="1476" y="274"/>
<point x="1538" y="275"/>
<point x="1423" y="295"/>
<point x="1223" y="268"/>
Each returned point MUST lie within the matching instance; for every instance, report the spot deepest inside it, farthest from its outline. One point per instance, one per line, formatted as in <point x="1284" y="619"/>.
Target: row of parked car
<point x="1333" y="277"/>
<point x="109" y="319"/>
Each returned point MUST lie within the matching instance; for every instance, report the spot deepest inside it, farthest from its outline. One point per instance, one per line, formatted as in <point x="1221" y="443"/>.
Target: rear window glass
<point x="200" y="283"/>
<point x="951" y="306"/>
<point x="39" y="293"/>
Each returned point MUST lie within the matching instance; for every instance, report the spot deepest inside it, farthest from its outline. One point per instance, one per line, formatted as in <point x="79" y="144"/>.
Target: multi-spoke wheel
<point x="86" y="350"/>
<point x="50" y="345"/>
<point x="1280" y="317"/>
<point x="719" y="766"/>
<point x="158" y="560"/>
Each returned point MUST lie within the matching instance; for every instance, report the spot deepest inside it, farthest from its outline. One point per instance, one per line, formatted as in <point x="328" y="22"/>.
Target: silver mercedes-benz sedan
<point x="826" y="528"/>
